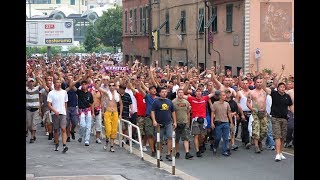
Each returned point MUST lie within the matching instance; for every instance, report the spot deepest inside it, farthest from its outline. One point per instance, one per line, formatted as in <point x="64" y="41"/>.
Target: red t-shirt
<point x="198" y="106"/>
<point x="141" y="104"/>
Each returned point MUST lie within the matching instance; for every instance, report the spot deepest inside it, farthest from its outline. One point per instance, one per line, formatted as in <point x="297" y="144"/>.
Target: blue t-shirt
<point x="72" y="96"/>
<point x="163" y="109"/>
<point x="149" y="102"/>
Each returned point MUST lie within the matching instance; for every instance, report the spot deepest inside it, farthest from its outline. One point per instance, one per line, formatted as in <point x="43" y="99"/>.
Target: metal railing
<point x="130" y="125"/>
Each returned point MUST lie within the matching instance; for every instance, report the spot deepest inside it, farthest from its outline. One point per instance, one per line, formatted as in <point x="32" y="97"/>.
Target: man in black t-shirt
<point x="279" y="110"/>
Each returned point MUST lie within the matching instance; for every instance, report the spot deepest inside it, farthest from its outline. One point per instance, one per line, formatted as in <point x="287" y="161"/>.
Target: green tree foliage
<point x="91" y="40"/>
<point x="102" y="49"/>
<point x="76" y="49"/>
<point x="109" y="27"/>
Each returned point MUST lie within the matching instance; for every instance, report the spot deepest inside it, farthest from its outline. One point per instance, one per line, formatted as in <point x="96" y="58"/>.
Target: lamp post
<point x="29" y="2"/>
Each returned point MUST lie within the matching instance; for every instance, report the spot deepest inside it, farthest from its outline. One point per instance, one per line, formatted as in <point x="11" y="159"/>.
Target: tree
<point x="109" y="27"/>
<point x="91" y="40"/>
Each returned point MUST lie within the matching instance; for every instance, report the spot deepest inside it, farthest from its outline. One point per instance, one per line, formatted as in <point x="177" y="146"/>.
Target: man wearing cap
<point x="86" y="111"/>
<point x="33" y="107"/>
<point x="199" y="122"/>
<point x="281" y="101"/>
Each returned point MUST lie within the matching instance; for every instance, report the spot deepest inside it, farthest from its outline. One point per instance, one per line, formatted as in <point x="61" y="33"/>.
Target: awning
<point x="164" y="23"/>
<point x="178" y="24"/>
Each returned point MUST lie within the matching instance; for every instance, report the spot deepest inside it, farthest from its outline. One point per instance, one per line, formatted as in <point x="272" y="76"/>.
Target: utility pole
<point x="29" y="2"/>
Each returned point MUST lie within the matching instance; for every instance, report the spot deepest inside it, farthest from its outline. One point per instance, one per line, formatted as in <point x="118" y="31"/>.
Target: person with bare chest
<point x="256" y="102"/>
<point x="111" y="115"/>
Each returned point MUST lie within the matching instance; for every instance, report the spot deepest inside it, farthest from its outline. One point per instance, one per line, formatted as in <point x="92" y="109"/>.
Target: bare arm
<point x="121" y="109"/>
<point x="153" y="117"/>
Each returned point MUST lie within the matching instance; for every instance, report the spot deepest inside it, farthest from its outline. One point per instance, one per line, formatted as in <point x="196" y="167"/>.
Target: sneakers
<point x="248" y="146"/>
<point x="31" y="140"/>
<point x="278" y="158"/>
<point x="72" y="135"/>
<point x="50" y="136"/>
<point x="271" y="148"/>
<point x="282" y="156"/>
<point x="112" y="149"/>
<point x="105" y="147"/>
<point x="161" y="158"/>
<point x="56" y="147"/>
<point x="65" y="149"/>
<point x="188" y="156"/>
<point x="257" y="149"/>
<point x="226" y="154"/>
<point x="177" y="155"/>
<point x="98" y="141"/>
<point x="234" y="147"/>
<point x="144" y="149"/>
<point x="260" y="146"/>
<point x="86" y="143"/>
<point x="68" y="139"/>
<point x="168" y="157"/>
<point x="80" y="140"/>
<point x="199" y="154"/>
<point x="47" y="133"/>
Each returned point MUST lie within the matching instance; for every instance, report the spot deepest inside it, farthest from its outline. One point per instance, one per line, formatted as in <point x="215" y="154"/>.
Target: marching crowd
<point x="201" y="107"/>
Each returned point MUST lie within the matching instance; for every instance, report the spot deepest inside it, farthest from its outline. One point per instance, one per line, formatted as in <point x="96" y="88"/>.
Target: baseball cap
<point x="31" y="79"/>
<point x="217" y="93"/>
<point x="163" y="81"/>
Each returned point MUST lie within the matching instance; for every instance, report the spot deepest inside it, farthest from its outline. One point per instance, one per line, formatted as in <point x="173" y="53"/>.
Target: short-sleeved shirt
<point x="149" y="102"/>
<point x="58" y="100"/>
<point x="221" y="111"/>
<point x="72" y="95"/>
<point x="198" y="106"/>
<point x="280" y="104"/>
<point x="85" y="99"/>
<point x="141" y="104"/>
<point x="182" y="108"/>
<point x="163" y="109"/>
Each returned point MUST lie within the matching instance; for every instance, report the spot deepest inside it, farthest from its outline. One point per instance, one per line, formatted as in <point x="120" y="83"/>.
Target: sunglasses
<point x="111" y="85"/>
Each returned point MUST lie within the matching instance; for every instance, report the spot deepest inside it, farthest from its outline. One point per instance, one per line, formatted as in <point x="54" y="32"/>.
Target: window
<point x="58" y="1"/>
<point x="238" y="70"/>
<point x="183" y="22"/>
<point x="130" y="21"/>
<point x="167" y="22"/>
<point x="126" y="21"/>
<point x="135" y="20"/>
<point x="200" y="25"/>
<point x="229" y="17"/>
<point x="146" y="19"/>
<point x="72" y="2"/>
<point x="40" y="1"/>
<point x="141" y="20"/>
<point x="227" y="67"/>
<point x="214" y="24"/>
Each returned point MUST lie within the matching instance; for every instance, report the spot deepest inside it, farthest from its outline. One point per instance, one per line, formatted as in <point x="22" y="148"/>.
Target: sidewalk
<point x="86" y="162"/>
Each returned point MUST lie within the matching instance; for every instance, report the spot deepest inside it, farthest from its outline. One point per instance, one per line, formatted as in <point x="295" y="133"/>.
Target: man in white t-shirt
<point x="57" y="103"/>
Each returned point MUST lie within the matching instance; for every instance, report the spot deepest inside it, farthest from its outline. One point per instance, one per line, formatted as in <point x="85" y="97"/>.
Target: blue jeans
<point x="222" y="129"/>
<point x="269" y="139"/>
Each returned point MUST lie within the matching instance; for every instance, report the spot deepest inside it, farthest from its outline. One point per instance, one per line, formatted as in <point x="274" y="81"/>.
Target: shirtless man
<point x="97" y="106"/>
<point x="111" y="115"/>
<point x="256" y="102"/>
<point x="241" y="98"/>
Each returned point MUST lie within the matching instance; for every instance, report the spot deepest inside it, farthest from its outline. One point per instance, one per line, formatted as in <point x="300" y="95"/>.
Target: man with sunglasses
<point x="111" y="114"/>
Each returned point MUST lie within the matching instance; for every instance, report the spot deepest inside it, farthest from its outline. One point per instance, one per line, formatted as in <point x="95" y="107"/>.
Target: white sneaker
<point x="98" y="141"/>
<point x="282" y="156"/>
<point x="144" y="148"/>
<point x="278" y="158"/>
<point x="47" y="133"/>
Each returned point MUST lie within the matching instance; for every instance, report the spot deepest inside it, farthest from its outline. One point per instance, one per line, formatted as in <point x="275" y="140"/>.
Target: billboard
<point x="49" y="32"/>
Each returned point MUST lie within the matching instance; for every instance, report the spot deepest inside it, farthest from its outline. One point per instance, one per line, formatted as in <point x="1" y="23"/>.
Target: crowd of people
<point x="94" y="93"/>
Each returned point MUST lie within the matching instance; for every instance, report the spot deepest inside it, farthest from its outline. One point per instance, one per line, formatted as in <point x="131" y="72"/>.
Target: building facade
<point x="136" y="31"/>
<point x="269" y="28"/>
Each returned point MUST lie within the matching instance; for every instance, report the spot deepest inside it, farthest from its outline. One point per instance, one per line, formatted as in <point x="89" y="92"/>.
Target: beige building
<point x="195" y="33"/>
<point x="225" y="33"/>
<point x="269" y="27"/>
